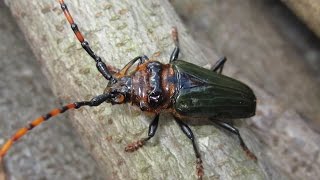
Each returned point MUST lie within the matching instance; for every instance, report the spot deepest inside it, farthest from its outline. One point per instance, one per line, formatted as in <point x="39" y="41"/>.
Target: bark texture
<point x="118" y="31"/>
<point x="308" y="11"/>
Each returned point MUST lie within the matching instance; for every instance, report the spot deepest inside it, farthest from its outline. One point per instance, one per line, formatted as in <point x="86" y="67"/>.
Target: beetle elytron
<point x="184" y="89"/>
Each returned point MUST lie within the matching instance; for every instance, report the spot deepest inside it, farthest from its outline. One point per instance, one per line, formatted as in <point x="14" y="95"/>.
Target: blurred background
<point x="277" y="43"/>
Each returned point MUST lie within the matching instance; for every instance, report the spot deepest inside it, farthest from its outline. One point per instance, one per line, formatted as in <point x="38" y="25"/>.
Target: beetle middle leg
<point x="175" y="53"/>
<point x="152" y="130"/>
<point x="187" y="131"/>
<point x="235" y="131"/>
<point x="218" y="67"/>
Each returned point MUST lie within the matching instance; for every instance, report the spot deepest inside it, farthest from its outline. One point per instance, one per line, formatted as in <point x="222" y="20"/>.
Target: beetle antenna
<point x="101" y="66"/>
<point x="96" y="101"/>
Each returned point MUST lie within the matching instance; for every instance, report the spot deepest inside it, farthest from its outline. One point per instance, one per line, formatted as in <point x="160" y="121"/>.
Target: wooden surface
<point x="308" y="11"/>
<point x="282" y="73"/>
<point x="119" y="31"/>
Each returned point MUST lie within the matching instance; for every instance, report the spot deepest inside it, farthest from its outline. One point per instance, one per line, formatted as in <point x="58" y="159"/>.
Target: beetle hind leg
<point x="235" y="131"/>
<point x="187" y="131"/>
<point x="138" y="144"/>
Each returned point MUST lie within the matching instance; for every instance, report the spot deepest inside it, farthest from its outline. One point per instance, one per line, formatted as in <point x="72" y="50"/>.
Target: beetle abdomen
<point x="203" y="93"/>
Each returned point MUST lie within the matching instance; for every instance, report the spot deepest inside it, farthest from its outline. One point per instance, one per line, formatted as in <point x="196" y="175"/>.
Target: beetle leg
<point x="152" y="130"/>
<point x="187" y="131"/>
<point x="218" y="67"/>
<point x="143" y="59"/>
<point x="235" y="131"/>
<point x="175" y="53"/>
<point x="125" y="69"/>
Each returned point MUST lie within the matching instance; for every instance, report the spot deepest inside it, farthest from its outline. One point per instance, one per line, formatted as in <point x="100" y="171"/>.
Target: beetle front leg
<point x="235" y="131"/>
<point x="187" y="131"/>
<point x="124" y="70"/>
<point x="175" y="53"/>
<point x="152" y="131"/>
<point x="218" y="67"/>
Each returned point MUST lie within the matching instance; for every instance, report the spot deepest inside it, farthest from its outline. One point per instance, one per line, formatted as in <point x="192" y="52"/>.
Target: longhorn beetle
<point x="156" y="87"/>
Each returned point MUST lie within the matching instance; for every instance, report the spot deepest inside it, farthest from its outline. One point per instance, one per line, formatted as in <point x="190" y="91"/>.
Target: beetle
<point x="185" y="90"/>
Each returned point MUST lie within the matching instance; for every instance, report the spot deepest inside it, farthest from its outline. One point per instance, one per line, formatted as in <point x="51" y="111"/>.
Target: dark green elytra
<point x="204" y="93"/>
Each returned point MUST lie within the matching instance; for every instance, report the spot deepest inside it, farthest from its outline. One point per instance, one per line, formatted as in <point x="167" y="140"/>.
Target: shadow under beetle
<point x="184" y="89"/>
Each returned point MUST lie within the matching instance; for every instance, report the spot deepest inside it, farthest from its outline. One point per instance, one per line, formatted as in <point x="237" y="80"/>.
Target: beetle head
<point x="120" y="91"/>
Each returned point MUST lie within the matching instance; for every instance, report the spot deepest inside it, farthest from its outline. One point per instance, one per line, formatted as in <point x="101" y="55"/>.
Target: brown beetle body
<point x="150" y="86"/>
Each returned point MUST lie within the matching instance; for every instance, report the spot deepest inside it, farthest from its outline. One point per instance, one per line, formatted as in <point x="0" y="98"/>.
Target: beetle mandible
<point x="156" y="87"/>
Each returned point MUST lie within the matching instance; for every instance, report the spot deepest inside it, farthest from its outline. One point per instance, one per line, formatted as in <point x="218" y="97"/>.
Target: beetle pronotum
<point x="156" y="87"/>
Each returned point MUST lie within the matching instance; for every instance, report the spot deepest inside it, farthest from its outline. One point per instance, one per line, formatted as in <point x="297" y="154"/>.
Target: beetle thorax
<point x="153" y="85"/>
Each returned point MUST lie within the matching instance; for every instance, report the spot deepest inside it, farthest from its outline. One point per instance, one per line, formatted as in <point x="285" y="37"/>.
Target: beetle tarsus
<point x="151" y="132"/>
<point x="187" y="131"/>
<point x="235" y="131"/>
<point x="134" y="146"/>
<point x="199" y="169"/>
<point x="249" y="153"/>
